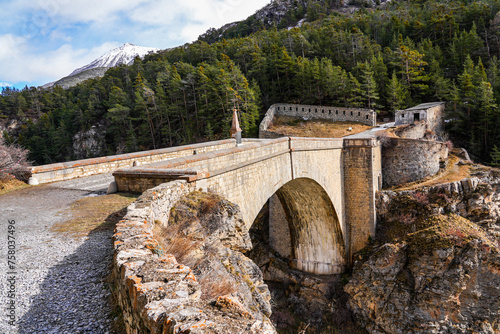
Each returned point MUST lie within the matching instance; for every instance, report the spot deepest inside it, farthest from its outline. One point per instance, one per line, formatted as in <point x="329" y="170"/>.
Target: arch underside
<point x="312" y="229"/>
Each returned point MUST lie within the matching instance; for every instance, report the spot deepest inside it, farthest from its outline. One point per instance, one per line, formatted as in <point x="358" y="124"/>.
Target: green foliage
<point x="495" y="156"/>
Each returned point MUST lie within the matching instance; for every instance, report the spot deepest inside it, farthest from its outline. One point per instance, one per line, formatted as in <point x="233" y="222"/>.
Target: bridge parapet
<point x="87" y="167"/>
<point x="214" y="163"/>
<point x="208" y="164"/>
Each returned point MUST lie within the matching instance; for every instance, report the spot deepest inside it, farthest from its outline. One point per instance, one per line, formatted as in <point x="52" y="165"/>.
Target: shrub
<point x="13" y="161"/>
<point x="421" y="198"/>
<point x="173" y="241"/>
<point x="213" y="284"/>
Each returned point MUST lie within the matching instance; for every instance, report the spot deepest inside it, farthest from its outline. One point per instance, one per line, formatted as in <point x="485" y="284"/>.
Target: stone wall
<point x="134" y="244"/>
<point x="435" y="118"/>
<point x="80" y="168"/>
<point x="159" y="295"/>
<point x="365" y="116"/>
<point x="409" y="160"/>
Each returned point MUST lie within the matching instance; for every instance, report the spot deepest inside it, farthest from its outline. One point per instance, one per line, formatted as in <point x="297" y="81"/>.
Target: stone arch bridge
<point x="321" y="192"/>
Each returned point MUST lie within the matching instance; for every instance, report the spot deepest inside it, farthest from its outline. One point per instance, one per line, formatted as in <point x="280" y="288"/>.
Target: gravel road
<point x="59" y="280"/>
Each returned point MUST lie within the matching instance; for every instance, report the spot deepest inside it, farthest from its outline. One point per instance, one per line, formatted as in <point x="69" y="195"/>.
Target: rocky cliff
<point x="435" y="266"/>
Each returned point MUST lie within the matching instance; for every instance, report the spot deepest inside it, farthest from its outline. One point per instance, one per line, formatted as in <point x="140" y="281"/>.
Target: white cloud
<point x="6" y="84"/>
<point x="79" y="10"/>
<point x="211" y="12"/>
<point x="27" y="66"/>
<point x="188" y="19"/>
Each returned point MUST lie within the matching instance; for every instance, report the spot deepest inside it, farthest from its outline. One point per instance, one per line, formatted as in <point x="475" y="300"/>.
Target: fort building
<point x="432" y="113"/>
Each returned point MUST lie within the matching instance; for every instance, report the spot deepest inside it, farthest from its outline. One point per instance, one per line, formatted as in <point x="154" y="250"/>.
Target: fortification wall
<point x="409" y="160"/>
<point x="87" y="167"/>
<point x="365" y="116"/>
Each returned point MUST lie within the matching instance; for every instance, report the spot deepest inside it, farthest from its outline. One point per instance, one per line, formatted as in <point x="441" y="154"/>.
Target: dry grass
<point x="11" y="184"/>
<point x="173" y="240"/>
<point x="213" y="285"/>
<point x="448" y="231"/>
<point x="95" y="214"/>
<point x="297" y="127"/>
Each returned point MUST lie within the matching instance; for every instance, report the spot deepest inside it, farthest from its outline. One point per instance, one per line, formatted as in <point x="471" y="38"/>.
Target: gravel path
<point x="59" y="280"/>
<point x="370" y="133"/>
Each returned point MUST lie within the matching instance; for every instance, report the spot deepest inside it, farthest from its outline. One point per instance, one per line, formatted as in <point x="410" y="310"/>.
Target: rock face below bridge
<point x="436" y="265"/>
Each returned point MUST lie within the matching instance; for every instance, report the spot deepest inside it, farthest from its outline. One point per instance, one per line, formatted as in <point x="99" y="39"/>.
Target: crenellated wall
<point x="365" y="116"/>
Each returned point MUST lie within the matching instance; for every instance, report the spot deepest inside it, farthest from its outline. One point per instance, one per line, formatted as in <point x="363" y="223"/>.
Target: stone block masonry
<point x="362" y="179"/>
<point x="157" y="294"/>
<point x="409" y="160"/>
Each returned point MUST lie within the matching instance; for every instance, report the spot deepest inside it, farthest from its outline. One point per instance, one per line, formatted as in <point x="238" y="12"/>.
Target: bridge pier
<point x="362" y="160"/>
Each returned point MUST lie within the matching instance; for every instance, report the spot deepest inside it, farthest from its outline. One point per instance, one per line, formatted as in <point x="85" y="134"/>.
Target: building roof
<point x="426" y="105"/>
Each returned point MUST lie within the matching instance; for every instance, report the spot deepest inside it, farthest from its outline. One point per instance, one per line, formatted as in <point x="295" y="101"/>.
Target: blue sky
<point x="45" y="40"/>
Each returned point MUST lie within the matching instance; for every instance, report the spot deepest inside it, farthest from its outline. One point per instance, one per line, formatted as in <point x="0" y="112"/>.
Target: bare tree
<point x="13" y="161"/>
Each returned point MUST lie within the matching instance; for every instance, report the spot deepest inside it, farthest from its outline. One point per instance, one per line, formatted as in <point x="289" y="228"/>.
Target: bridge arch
<point x="304" y="227"/>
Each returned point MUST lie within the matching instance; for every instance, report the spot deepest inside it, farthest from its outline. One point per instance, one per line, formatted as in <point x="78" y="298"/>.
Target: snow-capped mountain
<point x="125" y="54"/>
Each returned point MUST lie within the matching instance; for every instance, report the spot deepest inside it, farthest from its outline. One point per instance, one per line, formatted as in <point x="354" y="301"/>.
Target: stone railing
<point x="200" y="166"/>
<point x="87" y="167"/>
<point x="365" y="116"/>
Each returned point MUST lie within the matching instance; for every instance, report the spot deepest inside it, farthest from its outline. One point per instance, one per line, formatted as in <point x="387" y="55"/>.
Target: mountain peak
<point x="124" y="54"/>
